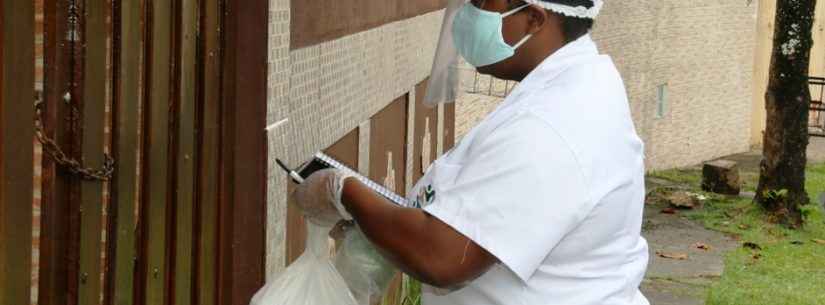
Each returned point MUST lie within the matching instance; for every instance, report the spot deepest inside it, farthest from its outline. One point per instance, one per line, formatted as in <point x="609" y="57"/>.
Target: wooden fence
<point x="151" y="120"/>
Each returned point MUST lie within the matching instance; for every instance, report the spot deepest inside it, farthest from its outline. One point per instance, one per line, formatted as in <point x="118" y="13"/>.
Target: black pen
<point x="293" y="174"/>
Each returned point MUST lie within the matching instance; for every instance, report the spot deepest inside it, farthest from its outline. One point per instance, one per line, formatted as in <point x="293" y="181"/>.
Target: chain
<point x="74" y="16"/>
<point x="50" y="146"/>
<point x="58" y="156"/>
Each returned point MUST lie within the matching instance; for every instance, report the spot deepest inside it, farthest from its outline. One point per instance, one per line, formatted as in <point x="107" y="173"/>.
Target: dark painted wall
<point x="316" y="21"/>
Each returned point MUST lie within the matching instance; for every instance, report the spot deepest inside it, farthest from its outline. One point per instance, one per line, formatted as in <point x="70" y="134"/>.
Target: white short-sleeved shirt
<point x="552" y="184"/>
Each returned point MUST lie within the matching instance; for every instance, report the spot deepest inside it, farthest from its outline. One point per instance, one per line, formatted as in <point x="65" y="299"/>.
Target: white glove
<point x="319" y="197"/>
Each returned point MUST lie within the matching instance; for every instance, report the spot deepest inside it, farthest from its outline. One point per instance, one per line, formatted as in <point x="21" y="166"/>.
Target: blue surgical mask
<point x="477" y="35"/>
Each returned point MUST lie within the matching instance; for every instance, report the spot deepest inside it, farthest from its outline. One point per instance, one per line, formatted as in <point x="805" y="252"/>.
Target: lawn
<point x="775" y="265"/>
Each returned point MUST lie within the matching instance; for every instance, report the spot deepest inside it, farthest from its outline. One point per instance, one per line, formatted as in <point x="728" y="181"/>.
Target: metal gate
<point x="816" y="120"/>
<point x="150" y="188"/>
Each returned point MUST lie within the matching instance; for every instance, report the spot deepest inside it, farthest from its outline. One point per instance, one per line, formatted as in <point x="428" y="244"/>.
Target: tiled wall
<point x="329" y="89"/>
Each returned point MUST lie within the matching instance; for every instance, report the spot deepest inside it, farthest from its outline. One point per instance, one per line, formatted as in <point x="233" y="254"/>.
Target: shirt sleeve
<point x="517" y="195"/>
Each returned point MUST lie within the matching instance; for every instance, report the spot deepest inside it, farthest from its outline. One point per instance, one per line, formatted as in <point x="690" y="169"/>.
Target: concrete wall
<point x="329" y="89"/>
<point x="701" y="50"/>
<point x="762" y="59"/>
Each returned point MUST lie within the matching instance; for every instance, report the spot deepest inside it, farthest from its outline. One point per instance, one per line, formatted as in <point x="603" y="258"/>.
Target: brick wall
<point x="702" y="50"/>
<point x="38" y="154"/>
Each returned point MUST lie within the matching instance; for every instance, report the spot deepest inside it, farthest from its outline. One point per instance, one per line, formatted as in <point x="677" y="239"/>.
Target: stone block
<point x="721" y="177"/>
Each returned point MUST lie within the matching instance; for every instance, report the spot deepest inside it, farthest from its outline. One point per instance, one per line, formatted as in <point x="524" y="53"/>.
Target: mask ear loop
<point x="515" y="10"/>
<point x="522" y="41"/>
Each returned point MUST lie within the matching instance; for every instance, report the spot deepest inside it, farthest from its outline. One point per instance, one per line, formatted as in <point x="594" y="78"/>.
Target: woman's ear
<point x="537" y="18"/>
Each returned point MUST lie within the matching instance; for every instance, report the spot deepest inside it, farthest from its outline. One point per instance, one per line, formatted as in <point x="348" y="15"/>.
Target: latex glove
<point x="319" y="197"/>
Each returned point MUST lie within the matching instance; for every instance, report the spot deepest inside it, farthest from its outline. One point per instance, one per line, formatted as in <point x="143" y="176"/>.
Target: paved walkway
<point x="684" y="282"/>
<point x="681" y="282"/>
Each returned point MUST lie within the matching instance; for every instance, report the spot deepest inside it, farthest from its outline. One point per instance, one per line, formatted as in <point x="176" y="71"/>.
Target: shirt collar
<point x="565" y="57"/>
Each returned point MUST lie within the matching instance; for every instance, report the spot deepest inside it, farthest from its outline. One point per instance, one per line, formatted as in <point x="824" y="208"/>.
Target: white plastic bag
<point x="310" y="280"/>
<point x="365" y="271"/>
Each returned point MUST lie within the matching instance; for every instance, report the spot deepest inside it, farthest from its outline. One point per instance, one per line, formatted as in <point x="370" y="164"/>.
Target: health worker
<point x="540" y="203"/>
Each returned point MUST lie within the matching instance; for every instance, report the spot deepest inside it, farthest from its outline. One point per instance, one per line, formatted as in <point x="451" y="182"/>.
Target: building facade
<point x="688" y="70"/>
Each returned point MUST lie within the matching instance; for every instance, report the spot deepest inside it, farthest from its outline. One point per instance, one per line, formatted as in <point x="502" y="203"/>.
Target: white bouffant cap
<point x="571" y="8"/>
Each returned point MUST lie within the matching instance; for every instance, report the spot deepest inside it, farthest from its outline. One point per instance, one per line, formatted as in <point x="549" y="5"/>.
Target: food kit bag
<point x="366" y="272"/>
<point x="355" y="275"/>
<point x="310" y="280"/>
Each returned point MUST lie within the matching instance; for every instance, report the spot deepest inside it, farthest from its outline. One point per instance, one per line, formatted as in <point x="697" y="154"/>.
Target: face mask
<point x="477" y="35"/>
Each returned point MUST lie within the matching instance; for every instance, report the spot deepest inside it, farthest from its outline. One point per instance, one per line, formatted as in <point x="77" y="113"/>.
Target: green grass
<point x="789" y="267"/>
<point x="412" y="292"/>
<point x="691" y="177"/>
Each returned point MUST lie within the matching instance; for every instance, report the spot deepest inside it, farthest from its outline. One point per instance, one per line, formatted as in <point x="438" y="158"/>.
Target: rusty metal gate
<point x="132" y="151"/>
<point x="816" y="119"/>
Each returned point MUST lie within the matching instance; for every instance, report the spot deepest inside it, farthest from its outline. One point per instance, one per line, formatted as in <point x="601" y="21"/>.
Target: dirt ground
<point x="684" y="282"/>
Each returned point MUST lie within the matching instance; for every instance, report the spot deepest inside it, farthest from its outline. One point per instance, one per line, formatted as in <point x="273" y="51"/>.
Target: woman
<point x="541" y="203"/>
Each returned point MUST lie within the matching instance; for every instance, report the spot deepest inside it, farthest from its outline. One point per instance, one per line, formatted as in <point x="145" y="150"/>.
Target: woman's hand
<point x="319" y="197"/>
<point x="419" y="244"/>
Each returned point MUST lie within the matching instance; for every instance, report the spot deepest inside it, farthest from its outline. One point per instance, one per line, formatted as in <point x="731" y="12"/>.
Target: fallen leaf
<point x="819" y="241"/>
<point x="703" y="246"/>
<point x="679" y="256"/>
<point x="669" y="211"/>
<point x="751" y="245"/>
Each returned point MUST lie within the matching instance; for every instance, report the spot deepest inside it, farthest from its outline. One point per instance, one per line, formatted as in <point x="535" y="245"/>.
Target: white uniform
<point x="552" y="184"/>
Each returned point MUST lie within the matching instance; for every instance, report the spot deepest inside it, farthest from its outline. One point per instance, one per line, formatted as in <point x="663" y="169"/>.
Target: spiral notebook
<point x="322" y="161"/>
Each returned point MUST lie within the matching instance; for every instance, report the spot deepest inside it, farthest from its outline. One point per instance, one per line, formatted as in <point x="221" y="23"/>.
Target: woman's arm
<point x="419" y="244"/>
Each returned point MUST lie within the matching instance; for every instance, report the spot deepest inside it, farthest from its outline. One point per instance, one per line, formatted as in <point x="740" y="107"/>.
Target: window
<point x="661" y="100"/>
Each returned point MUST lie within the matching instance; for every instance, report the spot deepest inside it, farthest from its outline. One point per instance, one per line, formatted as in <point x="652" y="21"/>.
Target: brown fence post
<point x="243" y="188"/>
<point x="92" y="107"/>
<point x="186" y="151"/>
<point x="154" y="268"/>
<point x="127" y="59"/>
<point x="16" y="149"/>
<point x="56" y="183"/>
<point x="209" y="100"/>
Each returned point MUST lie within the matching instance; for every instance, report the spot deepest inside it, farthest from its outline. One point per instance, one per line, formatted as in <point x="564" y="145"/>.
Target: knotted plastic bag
<point x="310" y="280"/>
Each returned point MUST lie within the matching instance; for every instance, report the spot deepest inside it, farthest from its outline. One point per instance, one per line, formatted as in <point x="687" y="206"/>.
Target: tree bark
<point x="781" y="189"/>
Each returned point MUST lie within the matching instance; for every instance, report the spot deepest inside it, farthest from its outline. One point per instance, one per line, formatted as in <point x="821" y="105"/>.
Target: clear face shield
<point x="445" y="76"/>
<point x="474" y="26"/>
<point x="443" y="86"/>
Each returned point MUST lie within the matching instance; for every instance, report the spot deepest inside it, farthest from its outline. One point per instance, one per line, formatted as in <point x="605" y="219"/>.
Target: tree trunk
<point x="781" y="189"/>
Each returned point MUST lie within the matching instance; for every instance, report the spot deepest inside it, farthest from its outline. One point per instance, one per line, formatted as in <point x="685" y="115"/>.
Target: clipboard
<point x="323" y="161"/>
